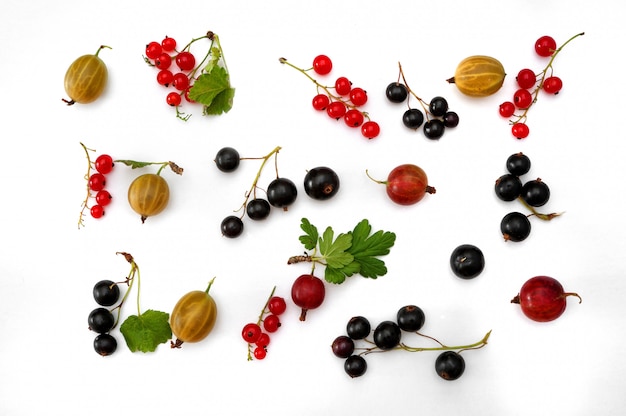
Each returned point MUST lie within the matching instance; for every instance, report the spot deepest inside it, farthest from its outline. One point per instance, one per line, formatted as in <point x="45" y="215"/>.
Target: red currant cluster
<point x="341" y="100"/>
<point x="96" y="183"/>
<point x="256" y="334"/>
<point x="530" y="84"/>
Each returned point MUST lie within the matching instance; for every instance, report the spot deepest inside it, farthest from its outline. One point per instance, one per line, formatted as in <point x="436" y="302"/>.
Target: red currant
<point x="153" y="50"/>
<point x="358" y="96"/>
<point x="277" y="305"/>
<point x="181" y="81"/>
<point x="251" y="333"/>
<point x="370" y="129"/>
<point x="520" y="130"/>
<point x="165" y="77"/>
<point x="507" y="109"/>
<point x="320" y="102"/>
<point x="97" y="181"/>
<point x="526" y="78"/>
<point x="271" y="323"/>
<point x="336" y="109"/>
<point x="353" y="118"/>
<point x="187" y="96"/>
<point x="322" y="64"/>
<point x="97" y="211"/>
<point x="168" y="44"/>
<point x="185" y="61"/>
<point x="552" y="85"/>
<point x="343" y="86"/>
<point x="260" y="353"/>
<point x="173" y="98"/>
<point x="163" y="61"/>
<point x="104" y="164"/>
<point x="522" y="98"/>
<point x="545" y="46"/>
<point x="103" y="198"/>
<point x="263" y="341"/>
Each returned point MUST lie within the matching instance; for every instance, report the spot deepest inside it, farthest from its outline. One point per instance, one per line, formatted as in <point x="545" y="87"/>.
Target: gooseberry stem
<point x="134" y="164"/>
<point x="100" y="48"/>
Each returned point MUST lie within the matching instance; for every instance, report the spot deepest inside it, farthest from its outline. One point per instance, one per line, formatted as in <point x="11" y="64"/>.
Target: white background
<point x="574" y="365"/>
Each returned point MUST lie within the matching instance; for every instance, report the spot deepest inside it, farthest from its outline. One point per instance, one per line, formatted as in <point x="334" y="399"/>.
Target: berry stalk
<point x="442" y="347"/>
<point x="258" y="322"/>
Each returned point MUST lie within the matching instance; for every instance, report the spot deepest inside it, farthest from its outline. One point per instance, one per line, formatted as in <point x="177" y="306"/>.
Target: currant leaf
<point x="309" y="240"/>
<point x="146" y="331"/>
<point x="209" y="85"/>
<point x="222" y="103"/>
<point x="333" y="250"/>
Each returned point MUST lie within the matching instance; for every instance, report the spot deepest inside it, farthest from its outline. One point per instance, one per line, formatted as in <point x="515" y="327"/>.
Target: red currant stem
<point x="252" y="190"/>
<point x="261" y="315"/>
<point x="181" y="115"/>
<point x="422" y="102"/>
<point x="85" y="203"/>
<point x="522" y="117"/>
<point x="541" y="216"/>
<point x="442" y="347"/>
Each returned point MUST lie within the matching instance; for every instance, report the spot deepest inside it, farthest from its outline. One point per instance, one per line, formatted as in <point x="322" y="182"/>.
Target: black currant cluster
<point x="320" y="183"/>
<point x="436" y="112"/>
<point x="101" y="320"/>
<point x="516" y="226"/>
<point x="387" y="336"/>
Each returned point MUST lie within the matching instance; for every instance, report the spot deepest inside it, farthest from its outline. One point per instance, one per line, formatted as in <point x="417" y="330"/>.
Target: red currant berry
<point x="174" y="99"/>
<point x="320" y="102"/>
<point x="358" y="96"/>
<point x="545" y="46"/>
<point x="552" y="85"/>
<point x="322" y="64"/>
<point x="260" y="353"/>
<point x="343" y="86"/>
<point x="165" y="77"/>
<point x="520" y="130"/>
<point x="263" y="341"/>
<point x="163" y="61"/>
<point x="370" y="129"/>
<point x="271" y="323"/>
<point x="186" y="94"/>
<point x="336" y="109"/>
<point x="103" y="198"/>
<point x="185" y="61"/>
<point x="97" y="181"/>
<point x="153" y="50"/>
<point x="522" y="98"/>
<point x="181" y="81"/>
<point x="353" y="118"/>
<point x="251" y="333"/>
<point x="526" y="78"/>
<point x="507" y="109"/>
<point x="277" y="305"/>
<point x="104" y="164"/>
<point x="168" y="44"/>
<point x="97" y="211"/>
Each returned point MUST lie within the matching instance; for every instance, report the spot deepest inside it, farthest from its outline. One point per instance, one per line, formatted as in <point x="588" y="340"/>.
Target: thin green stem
<point x="261" y="315"/>
<point x="100" y="48"/>
<point x="252" y="190"/>
<point x="406" y="84"/>
<point x="209" y="286"/>
<point x="441" y="347"/>
<point x="545" y="217"/>
<point x="85" y="203"/>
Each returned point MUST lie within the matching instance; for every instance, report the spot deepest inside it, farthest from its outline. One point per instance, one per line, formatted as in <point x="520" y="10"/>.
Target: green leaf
<point x="334" y="276"/>
<point x="365" y="248"/>
<point x="209" y="85"/>
<point x="145" y="332"/>
<point x="134" y="164"/>
<point x="309" y="240"/>
<point x="214" y="60"/>
<point x="222" y="103"/>
<point x="334" y="250"/>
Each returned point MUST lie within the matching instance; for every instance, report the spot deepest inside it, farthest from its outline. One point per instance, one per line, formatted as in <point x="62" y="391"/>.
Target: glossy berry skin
<point x="231" y="226"/>
<point x="535" y="193"/>
<point x="518" y="164"/>
<point x="508" y="187"/>
<point x="438" y="106"/>
<point x="542" y="298"/>
<point x="271" y="323"/>
<point x="105" y="344"/>
<point x="258" y="209"/>
<point x="387" y="335"/>
<point x="281" y="193"/>
<point x="343" y="346"/>
<point x="103" y="198"/>
<point x="358" y="327"/>
<point x="193" y="317"/>
<point x="165" y="77"/>
<point x="263" y="341"/>
<point x="97" y="182"/>
<point x="322" y="64"/>
<point x="396" y="92"/>
<point x="104" y="164"/>
<point x="522" y="98"/>
<point x="450" y="119"/>
<point x="320" y="102"/>
<point x="552" y="85"/>
<point x="277" y="305"/>
<point x="370" y="129"/>
<point x="173" y="99"/>
<point x="355" y="366"/>
<point x="467" y="261"/>
<point x="336" y="110"/>
<point x="101" y="320"/>
<point x="515" y="227"/>
<point x="410" y="318"/>
<point x="251" y="333"/>
<point x="450" y="365"/>
<point x="185" y="61"/>
<point x="163" y="61"/>
<point x="353" y="118"/>
<point x="85" y="79"/>
<point x="260" y="353"/>
<point x="413" y="118"/>
<point x="507" y="109"/>
<point x="526" y="78"/>
<point x="307" y="292"/>
<point x="321" y="183"/>
<point x="545" y="46"/>
<point x="168" y="44"/>
<point x="434" y="129"/>
<point x="148" y="195"/>
<point x="227" y="159"/>
<point x="520" y="130"/>
<point x="106" y="293"/>
<point x="407" y="184"/>
<point x="358" y="96"/>
<point x="97" y="211"/>
<point x="180" y="81"/>
<point x="153" y="50"/>
<point x="343" y="86"/>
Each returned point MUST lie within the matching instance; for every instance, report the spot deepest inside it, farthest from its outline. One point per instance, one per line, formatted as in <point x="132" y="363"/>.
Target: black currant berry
<point x="515" y="226"/>
<point x="282" y="192"/>
<point x="451" y="119"/>
<point x="450" y="365"/>
<point x="410" y="318"/>
<point x="232" y="226"/>
<point x="227" y="159"/>
<point x="106" y="292"/>
<point x="387" y="335"/>
<point x="508" y="187"/>
<point x="321" y="183"/>
<point x="101" y="320"/>
<point x="258" y="209"/>
<point x="438" y="106"/>
<point x="343" y="346"/>
<point x="358" y="327"/>
<point x="535" y="193"/>
<point x="396" y="92"/>
<point x="413" y="118"/>
<point x="434" y="128"/>
<point x="355" y="366"/>
<point x="518" y="164"/>
<point x="105" y="344"/>
<point x="467" y="261"/>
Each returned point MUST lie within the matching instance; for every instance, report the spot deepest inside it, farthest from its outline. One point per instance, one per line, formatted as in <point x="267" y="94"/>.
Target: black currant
<point x="321" y="183"/>
<point x="387" y="335"/>
<point x="227" y="159"/>
<point x="413" y="118"/>
<point x="438" y="106"/>
<point x="343" y="346"/>
<point x="536" y="193"/>
<point x="450" y="119"/>
<point x="515" y="226"/>
<point x="508" y="187"/>
<point x="105" y="344"/>
<point x="232" y="226"/>
<point x="258" y="209"/>
<point x="450" y="365"/>
<point x="100" y="320"/>
<point x="282" y="192"/>
<point x="396" y="92"/>
<point x="434" y="128"/>
<point x="106" y="292"/>
<point x="358" y="327"/>
<point x="355" y="366"/>
<point x="410" y="318"/>
<point x="467" y="261"/>
<point x="518" y="164"/>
